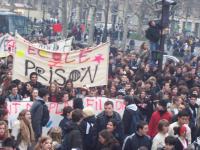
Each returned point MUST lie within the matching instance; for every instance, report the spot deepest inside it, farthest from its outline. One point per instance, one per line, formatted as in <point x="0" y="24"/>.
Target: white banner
<point x="59" y="46"/>
<point x="55" y="109"/>
<point x="7" y="45"/>
<point x="86" y="67"/>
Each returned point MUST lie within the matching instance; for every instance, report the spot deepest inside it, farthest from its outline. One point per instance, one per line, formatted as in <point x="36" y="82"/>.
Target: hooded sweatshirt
<point x="131" y="112"/>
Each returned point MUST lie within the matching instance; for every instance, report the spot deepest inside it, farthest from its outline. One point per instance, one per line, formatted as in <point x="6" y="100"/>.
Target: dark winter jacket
<point x="101" y="123"/>
<point x="88" y="134"/>
<point x="153" y="34"/>
<point x="40" y="116"/>
<point x="135" y="141"/>
<point x="102" y="120"/>
<point x="72" y="138"/>
<point x="129" y="112"/>
<point x="63" y="123"/>
<point x="178" y="145"/>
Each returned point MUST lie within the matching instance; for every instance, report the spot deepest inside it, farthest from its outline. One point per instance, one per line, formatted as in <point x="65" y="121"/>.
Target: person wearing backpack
<point x="131" y="116"/>
<point x="40" y="113"/>
<point x="87" y="128"/>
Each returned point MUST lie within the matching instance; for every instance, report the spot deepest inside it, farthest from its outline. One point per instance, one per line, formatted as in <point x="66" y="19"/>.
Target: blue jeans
<point x="154" y="46"/>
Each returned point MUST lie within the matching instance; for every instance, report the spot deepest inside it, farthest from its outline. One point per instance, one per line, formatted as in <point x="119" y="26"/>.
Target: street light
<point x="166" y="4"/>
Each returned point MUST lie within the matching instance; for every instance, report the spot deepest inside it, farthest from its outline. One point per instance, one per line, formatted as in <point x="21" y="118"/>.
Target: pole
<point x="125" y="25"/>
<point x="107" y="3"/>
<point x="64" y="18"/>
<point x="93" y="9"/>
<point x="162" y="40"/>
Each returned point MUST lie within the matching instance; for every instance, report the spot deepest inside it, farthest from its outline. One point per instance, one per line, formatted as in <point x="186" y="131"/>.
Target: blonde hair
<point x="6" y="134"/>
<point x="56" y="134"/>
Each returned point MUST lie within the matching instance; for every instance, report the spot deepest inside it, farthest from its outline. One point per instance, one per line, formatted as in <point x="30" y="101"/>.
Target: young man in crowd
<point x="193" y="112"/>
<point x="103" y="118"/>
<point x="72" y="138"/>
<point x="183" y="118"/>
<point x="106" y="115"/>
<point x="40" y="113"/>
<point x="34" y="81"/>
<point x="138" y="139"/>
<point x="14" y="95"/>
<point x="158" y="115"/>
<point x="131" y="116"/>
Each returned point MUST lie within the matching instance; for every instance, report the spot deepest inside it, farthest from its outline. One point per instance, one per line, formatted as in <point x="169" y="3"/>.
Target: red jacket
<point x="155" y="118"/>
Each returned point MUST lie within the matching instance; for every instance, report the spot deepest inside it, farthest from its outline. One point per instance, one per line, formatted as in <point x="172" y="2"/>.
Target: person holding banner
<point x="33" y="80"/>
<point x="54" y="95"/>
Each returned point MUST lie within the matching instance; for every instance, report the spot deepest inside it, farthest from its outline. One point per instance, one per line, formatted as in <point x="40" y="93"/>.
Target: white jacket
<point x="188" y="131"/>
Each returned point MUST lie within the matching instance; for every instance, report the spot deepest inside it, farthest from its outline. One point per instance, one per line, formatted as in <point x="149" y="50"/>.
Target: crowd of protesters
<point x="161" y="107"/>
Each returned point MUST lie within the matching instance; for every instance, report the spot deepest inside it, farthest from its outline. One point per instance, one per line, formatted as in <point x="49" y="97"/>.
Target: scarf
<point x="26" y="132"/>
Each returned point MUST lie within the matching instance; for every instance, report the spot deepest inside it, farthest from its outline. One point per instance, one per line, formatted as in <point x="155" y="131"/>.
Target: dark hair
<point x="33" y="73"/>
<point x="141" y="125"/>
<point x="193" y="96"/>
<point x="3" y="113"/>
<point x="177" y="130"/>
<point x="113" y="122"/>
<point x="108" y="103"/>
<point x="66" y="110"/>
<point x="9" y="142"/>
<point x="77" y="115"/>
<point x="162" y="123"/>
<point x="108" y="136"/>
<point x="183" y="114"/>
<point x="78" y="103"/>
<point x="13" y="86"/>
<point x="43" y="92"/>
<point x="170" y="140"/>
<point x="129" y="100"/>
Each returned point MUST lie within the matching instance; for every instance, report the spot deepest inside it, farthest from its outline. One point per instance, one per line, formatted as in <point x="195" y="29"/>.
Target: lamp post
<point x="164" y="25"/>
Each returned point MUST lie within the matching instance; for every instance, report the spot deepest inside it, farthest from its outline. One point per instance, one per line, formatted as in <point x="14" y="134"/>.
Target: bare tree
<point x="93" y="9"/>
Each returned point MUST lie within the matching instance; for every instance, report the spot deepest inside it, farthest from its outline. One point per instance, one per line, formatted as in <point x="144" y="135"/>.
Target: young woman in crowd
<point x="56" y="134"/>
<point x="144" y="52"/>
<point x="181" y="142"/>
<point x="54" y="93"/>
<point x="34" y="95"/>
<point x="159" y="139"/>
<point x="28" y="89"/>
<point x="108" y="141"/>
<point x="6" y="83"/>
<point x="4" y="132"/>
<point x="176" y="105"/>
<point x="22" y="130"/>
<point x="111" y="127"/>
<point x="44" y="143"/>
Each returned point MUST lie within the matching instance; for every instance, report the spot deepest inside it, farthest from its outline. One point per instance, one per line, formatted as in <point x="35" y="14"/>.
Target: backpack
<point x="45" y="110"/>
<point x="89" y="135"/>
<point x="135" y="119"/>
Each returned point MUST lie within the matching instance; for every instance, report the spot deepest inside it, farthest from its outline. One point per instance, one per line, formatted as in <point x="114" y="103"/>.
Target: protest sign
<point x="61" y="46"/>
<point x="86" y="67"/>
<point x="55" y="109"/>
<point x="7" y="45"/>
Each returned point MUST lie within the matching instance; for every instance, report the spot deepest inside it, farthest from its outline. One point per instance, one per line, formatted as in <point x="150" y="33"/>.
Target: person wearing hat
<point x="87" y="128"/>
<point x="158" y="115"/>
